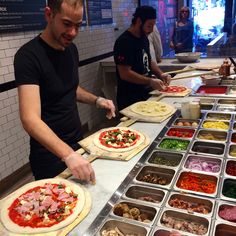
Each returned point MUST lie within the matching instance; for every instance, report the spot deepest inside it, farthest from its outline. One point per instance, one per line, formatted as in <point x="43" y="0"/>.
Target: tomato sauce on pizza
<point x="175" y="89"/>
<point x="118" y="138"/>
<point x="43" y="206"/>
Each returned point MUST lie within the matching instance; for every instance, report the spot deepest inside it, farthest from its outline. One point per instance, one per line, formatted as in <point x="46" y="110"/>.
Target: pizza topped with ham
<point x="118" y="139"/>
<point x="175" y="89"/>
<point x="43" y="206"/>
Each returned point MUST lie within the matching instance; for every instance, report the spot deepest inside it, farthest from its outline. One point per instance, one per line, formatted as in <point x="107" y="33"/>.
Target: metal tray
<point x="124" y="227"/>
<point x="180" y="131"/>
<point x="232" y="150"/>
<point x="203" y="162"/>
<point x="171" y="157"/>
<point x="186" y="123"/>
<point x="184" y="174"/>
<point x="228" y="163"/>
<point x="214" y="128"/>
<point x="227" y="183"/>
<point x="218" y="116"/>
<point x="196" y="201"/>
<point x="221" y="229"/>
<point x="207" y="101"/>
<point x="227" y="101"/>
<point x="172" y="148"/>
<point x="166" y="174"/>
<point x="206" y="107"/>
<point x="212" y="135"/>
<point x="226" y="108"/>
<point x="144" y="212"/>
<point x="135" y="192"/>
<point x="220" y="206"/>
<point x="177" y="215"/>
<point x="208" y="148"/>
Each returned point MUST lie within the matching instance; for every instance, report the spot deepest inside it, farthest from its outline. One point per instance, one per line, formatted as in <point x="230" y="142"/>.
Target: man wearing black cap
<point x="137" y="73"/>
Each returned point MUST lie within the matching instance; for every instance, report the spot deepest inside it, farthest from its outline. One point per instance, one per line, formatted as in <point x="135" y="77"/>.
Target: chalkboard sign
<point x="99" y="12"/>
<point x="21" y="15"/>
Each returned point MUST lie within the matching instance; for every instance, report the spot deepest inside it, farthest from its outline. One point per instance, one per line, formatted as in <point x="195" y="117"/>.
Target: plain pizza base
<point x="151" y="108"/>
<point x="97" y="143"/>
<point x="11" y="226"/>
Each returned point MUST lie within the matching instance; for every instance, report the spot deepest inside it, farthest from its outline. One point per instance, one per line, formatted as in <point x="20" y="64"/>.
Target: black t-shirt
<point x="132" y="51"/>
<point x="56" y="73"/>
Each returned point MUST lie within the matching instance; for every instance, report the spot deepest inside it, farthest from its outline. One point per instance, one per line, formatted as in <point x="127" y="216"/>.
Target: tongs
<point x="233" y="61"/>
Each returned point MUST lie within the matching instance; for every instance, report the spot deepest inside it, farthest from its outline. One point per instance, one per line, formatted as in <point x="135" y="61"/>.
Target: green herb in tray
<point x="164" y="161"/>
<point x="174" y="144"/>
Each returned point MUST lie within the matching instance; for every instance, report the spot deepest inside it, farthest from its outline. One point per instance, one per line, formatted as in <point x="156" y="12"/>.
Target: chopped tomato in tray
<point x="196" y="182"/>
<point x="180" y="133"/>
<point x="212" y="90"/>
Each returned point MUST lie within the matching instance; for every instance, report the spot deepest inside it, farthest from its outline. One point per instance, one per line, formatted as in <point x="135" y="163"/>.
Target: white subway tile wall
<point x="91" y="41"/>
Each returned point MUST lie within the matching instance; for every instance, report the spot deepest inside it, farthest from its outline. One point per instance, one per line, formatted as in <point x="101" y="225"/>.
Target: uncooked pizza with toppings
<point x="42" y="206"/>
<point x="175" y="89"/>
<point x="118" y="139"/>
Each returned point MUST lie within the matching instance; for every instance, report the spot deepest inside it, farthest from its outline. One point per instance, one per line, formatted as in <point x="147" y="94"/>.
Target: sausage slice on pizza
<point x="42" y="206"/>
<point x="118" y="139"/>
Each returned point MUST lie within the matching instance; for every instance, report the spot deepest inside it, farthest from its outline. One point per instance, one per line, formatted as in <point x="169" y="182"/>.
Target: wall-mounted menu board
<point x="99" y="12"/>
<point x="21" y="15"/>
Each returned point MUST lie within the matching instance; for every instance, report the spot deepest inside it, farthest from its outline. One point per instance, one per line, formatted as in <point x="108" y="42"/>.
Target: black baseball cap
<point x="145" y="13"/>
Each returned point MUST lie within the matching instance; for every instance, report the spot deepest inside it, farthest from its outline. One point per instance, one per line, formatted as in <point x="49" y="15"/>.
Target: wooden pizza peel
<point x="155" y="119"/>
<point x="62" y="232"/>
<point x="98" y="153"/>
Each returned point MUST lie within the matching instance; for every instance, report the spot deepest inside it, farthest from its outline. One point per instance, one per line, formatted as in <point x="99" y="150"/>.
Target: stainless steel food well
<point x="203" y="164"/>
<point x="208" y="148"/>
<point x="165" y="159"/>
<point x="174" y="144"/>
<point x="224" y="215"/>
<point x="145" y="195"/>
<point x="186" y="123"/>
<point x="231" y="150"/>
<point x="216" y="125"/>
<point x="218" y="116"/>
<point x="186" y="223"/>
<point x="188" y="177"/>
<point x="230" y="169"/>
<point x="212" y="135"/>
<point x="160" y="232"/>
<point x="124" y="227"/>
<point x="155" y="176"/>
<point x="228" y="189"/>
<point x="192" y="204"/>
<point x="207" y="101"/>
<point x="226" y="108"/>
<point x="227" y="101"/>
<point x="219" y="228"/>
<point x="135" y="212"/>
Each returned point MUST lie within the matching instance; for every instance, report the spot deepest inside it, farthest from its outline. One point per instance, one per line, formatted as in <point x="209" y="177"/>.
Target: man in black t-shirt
<point x="136" y="72"/>
<point x="46" y="72"/>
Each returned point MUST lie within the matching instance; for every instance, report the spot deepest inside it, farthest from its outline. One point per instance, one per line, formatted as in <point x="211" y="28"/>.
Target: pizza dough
<point x="13" y="227"/>
<point x="111" y="147"/>
<point x="151" y="108"/>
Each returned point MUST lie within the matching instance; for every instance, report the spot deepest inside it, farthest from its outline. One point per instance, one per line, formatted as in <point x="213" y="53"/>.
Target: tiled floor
<point x="29" y="177"/>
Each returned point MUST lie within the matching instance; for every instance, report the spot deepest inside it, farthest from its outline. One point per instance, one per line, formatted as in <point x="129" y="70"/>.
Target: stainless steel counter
<point x="111" y="174"/>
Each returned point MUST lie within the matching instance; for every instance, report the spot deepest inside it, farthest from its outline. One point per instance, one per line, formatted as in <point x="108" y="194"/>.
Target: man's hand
<point x="157" y="84"/>
<point x="80" y="167"/>
<point x="166" y="78"/>
<point x="108" y="105"/>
